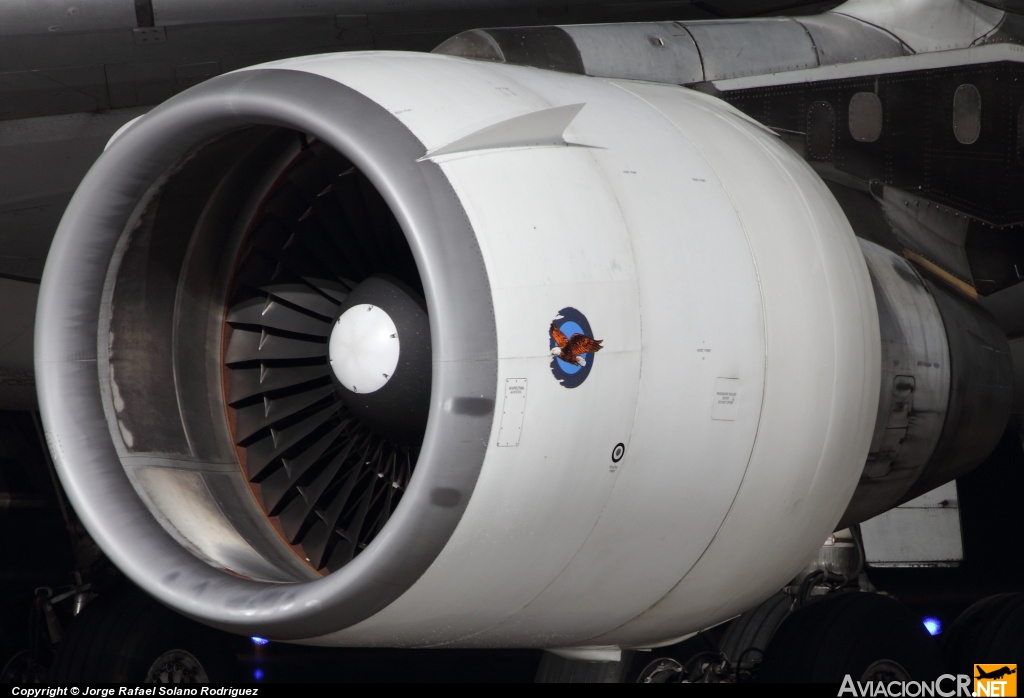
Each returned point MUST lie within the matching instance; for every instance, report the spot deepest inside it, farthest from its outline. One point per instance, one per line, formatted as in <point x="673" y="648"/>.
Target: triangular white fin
<point x="545" y="127"/>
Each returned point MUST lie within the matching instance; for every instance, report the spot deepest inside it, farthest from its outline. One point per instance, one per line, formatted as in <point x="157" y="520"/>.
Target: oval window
<point x="865" y="117"/>
<point x="967" y="114"/>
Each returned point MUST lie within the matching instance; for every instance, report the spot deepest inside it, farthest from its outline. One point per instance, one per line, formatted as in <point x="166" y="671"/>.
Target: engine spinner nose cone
<point x="382" y="366"/>
<point x="364" y="348"/>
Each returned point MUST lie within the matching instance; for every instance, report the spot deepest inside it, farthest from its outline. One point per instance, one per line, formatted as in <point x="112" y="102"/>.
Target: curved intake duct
<point x="412" y="350"/>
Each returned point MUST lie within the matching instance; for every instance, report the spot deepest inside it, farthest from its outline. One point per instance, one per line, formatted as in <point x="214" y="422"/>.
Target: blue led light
<point x="257" y="640"/>
<point x="933" y="625"/>
<point x="258" y="674"/>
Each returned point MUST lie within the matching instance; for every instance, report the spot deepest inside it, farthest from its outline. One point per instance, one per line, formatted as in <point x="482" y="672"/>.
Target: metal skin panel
<point x="954" y="58"/>
<point x="58" y="16"/>
<point x="659" y="52"/>
<point x="824" y="385"/>
<point x="841" y="39"/>
<point x="927" y="25"/>
<point x="769" y="46"/>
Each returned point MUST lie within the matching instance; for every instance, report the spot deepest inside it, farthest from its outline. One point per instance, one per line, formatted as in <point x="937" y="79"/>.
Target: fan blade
<point x="246" y="345"/>
<point x="261" y="454"/>
<point x="247" y="383"/>
<point x="274" y="314"/>
<point x="278" y="484"/>
<point x="270" y="411"/>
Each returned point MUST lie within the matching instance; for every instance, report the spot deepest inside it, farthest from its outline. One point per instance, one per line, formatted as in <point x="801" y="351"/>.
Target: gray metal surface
<point x="682" y="52"/>
<point x="924" y="532"/>
<point x="841" y="39"/>
<point x="914" y="389"/>
<point x="71" y="360"/>
<point x="58" y="16"/>
<point x="929" y="229"/>
<point x="656" y="51"/>
<point x="947" y="387"/>
<point x="752" y="47"/>
<point x="980" y="389"/>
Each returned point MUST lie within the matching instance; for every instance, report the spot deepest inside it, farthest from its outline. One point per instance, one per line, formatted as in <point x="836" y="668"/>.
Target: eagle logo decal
<point x="572" y="346"/>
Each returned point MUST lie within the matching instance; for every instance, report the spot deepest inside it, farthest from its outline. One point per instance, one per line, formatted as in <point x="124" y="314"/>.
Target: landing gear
<point x="867" y="636"/>
<point x="747" y="637"/>
<point x="695" y="660"/>
<point x="662" y="670"/>
<point x="126" y="637"/>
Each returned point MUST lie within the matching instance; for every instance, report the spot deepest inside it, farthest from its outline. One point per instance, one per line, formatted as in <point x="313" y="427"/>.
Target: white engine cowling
<point x="685" y="472"/>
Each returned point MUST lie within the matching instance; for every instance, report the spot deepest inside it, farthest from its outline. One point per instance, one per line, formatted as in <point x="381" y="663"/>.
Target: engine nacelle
<point x="477" y="490"/>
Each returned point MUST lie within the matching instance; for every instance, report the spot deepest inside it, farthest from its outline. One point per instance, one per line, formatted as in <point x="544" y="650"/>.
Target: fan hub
<point x="364" y="348"/>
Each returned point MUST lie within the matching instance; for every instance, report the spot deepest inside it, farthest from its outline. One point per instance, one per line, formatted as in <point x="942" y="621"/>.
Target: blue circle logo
<point x="572" y="346"/>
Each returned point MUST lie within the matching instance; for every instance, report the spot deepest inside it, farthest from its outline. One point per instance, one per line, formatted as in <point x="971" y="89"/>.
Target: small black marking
<point x="445" y="497"/>
<point x="471" y="406"/>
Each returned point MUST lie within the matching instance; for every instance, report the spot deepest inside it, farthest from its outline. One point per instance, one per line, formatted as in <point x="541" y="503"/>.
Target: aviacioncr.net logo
<point x="995" y="679"/>
<point x="945" y="686"/>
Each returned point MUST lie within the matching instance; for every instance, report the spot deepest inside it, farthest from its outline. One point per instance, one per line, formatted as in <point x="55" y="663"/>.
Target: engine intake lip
<point x="69" y="352"/>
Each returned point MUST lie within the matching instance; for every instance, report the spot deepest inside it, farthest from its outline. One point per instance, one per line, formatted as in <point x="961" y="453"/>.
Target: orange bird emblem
<point x="572" y="349"/>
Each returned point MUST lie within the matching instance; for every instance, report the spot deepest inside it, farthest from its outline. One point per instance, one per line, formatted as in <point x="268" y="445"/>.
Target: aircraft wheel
<point x="747" y="637"/>
<point x="991" y="630"/>
<point x="866" y="636"/>
<point x="127" y="637"/>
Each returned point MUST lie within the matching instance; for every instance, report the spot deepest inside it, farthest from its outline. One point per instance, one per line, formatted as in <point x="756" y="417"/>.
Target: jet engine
<point x="414" y="350"/>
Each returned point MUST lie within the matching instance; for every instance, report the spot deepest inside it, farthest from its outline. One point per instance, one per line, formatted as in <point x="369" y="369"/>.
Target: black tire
<point x="866" y="636"/>
<point x="991" y="630"/>
<point x="748" y="636"/>
<point x="124" y="636"/>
